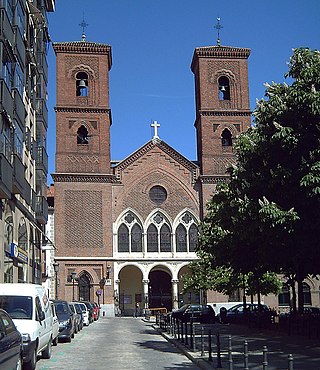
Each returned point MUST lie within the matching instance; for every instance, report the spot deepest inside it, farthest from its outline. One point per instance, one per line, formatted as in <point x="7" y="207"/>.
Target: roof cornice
<point x="88" y="177"/>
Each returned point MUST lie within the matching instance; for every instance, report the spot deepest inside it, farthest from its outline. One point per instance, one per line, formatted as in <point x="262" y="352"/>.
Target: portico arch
<point x="160" y="288"/>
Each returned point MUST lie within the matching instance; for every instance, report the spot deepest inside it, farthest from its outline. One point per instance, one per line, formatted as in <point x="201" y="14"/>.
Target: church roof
<point x="189" y="165"/>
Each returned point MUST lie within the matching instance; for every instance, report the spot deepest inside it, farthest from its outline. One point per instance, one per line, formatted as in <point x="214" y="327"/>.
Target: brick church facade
<point x="126" y="231"/>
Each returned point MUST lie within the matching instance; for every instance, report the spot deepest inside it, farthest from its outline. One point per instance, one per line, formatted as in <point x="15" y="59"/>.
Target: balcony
<point x="42" y="64"/>
<point x="42" y="159"/>
<point x="6" y="174"/>
<point x="41" y="209"/>
<point x="42" y="112"/>
<point x="6" y="31"/>
<point x="6" y="99"/>
<point x="19" y="48"/>
<point x="19" y="108"/>
<point x="19" y="181"/>
<point x="27" y="193"/>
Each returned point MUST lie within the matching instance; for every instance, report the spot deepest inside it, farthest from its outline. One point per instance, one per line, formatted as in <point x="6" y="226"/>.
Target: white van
<point x="30" y="309"/>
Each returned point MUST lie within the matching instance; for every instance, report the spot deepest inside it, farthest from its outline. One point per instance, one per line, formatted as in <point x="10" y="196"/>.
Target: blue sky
<point x="152" y="46"/>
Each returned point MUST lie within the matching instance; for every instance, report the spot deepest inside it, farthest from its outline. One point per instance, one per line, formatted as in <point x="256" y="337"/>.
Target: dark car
<point x="66" y="320"/>
<point x="90" y="309"/>
<point x="195" y="312"/>
<point x="78" y="323"/>
<point x="10" y="343"/>
<point x="239" y="313"/>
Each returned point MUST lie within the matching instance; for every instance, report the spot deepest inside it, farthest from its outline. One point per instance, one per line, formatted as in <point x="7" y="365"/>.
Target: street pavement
<point x="117" y="344"/>
<point x="305" y="351"/>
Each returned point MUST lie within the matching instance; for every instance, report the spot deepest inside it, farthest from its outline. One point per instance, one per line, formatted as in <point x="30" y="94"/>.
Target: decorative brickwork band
<point x="63" y="177"/>
<point x="214" y="179"/>
<point x="82" y="110"/>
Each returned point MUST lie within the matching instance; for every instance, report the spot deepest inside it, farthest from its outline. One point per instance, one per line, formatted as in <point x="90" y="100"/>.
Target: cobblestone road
<point x="116" y="343"/>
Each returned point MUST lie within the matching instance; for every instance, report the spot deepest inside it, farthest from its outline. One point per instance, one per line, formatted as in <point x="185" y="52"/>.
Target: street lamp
<point x="73" y="278"/>
<point x="56" y="270"/>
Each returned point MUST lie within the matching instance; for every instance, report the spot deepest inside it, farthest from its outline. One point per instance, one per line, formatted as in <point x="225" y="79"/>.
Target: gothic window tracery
<point x="130" y="234"/>
<point x="186" y="233"/>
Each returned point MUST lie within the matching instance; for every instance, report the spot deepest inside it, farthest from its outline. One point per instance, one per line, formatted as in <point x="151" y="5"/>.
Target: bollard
<point x="210" y="348"/>
<point x="230" y="353"/>
<point x="182" y="334"/>
<point x="265" y="361"/>
<point x="246" y="356"/>
<point x="202" y="341"/>
<point x="219" y="365"/>
<point x="193" y="329"/>
<point x="178" y="328"/>
<point x="186" y="331"/>
<point x="290" y="362"/>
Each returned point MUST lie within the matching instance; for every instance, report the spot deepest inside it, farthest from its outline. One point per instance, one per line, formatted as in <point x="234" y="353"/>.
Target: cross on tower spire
<point x="83" y="24"/>
<point x="218" y="27"/>
<point x="155" y="125"/>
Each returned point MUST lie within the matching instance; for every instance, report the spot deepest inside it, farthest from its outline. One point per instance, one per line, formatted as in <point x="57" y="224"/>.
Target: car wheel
<point x="19" y="364"/>
<point x="31" y="365"/>
<point x="46" y="353"/>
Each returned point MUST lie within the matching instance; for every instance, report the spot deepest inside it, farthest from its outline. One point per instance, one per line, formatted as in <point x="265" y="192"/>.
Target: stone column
<point x="145" y="292"/>
<point x="175" y="301"/>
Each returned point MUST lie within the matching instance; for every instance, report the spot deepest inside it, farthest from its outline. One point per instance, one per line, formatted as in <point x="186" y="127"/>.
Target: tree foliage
<point x="267" y="218"/>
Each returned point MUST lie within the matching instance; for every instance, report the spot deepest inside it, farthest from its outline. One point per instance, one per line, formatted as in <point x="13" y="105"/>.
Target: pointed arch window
<point x="165" y="238"/>
<point x="193" y="237"/>
<point x="224" y="88"/>
<point x="226" y="138"/>
<point x="123" y="238"/>
<point x="306" y="294"/>
<point x="82" y="135"/>
<point x="82" y="84"/>
<point x="284" y="296"/>
<point x="136" y="238"/>
<point x="181" y="238"/>
<point x="152" y="239"/>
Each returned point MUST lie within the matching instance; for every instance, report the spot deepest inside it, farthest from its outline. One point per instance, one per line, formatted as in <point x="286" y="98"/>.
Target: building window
<point x="7" y="5"/>
<point x="19" y="18"/>
<point x="6" y="70"/>
<point x="18" y="141"/>
<point x="224" y="88"/>
<point x="226" y="138"/>
<point x="165" y="238"/>
<point x="19" y="79"/>
<point x="82" y="84"/>
<point x="284" y="296"/>
<point x="193" y="238"/>
<point x="23" y="235"/>
<point x="5" y="142"/>
<point x="152" y="239"/>
<point x="158" y="194"/>
<point x="82" y="135"/>
<point x="181" y="238"/>
<point x="136" y="238"/>
<point x="123" y="238"/>
<point x="306" y="294"/>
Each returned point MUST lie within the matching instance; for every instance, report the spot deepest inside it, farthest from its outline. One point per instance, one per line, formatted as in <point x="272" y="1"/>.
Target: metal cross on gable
<point x="218" y="27"/>
<point x="83" y="24"/>
<point x="155" y="125"/>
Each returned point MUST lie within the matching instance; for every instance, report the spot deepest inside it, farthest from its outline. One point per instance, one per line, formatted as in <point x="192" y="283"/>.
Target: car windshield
<point x="62" y="308"/>
<point x="18" y="307"/>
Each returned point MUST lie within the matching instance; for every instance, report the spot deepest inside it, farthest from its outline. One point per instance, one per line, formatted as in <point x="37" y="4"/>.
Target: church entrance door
<point x="160" y="294"/>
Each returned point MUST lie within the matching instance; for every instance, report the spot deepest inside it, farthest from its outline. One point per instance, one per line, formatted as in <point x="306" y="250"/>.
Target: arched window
<point x="123" y="238"/>
<point x="181" y="238"/>
<point x="284" y="296"/>
<point x="306" y="294"/>
<point x="224" y="88"/>
<point x="84" y="287"/>
<point x="165" y="238"/>
<point x="82" y="135"/>
<point x="226" y="138"/>
<point x="136" y="238"/>
<point x="82" y="84"/>
<point x="22" y="235"/>
<point x="193" y="237"/>
<point x="152" y="239"/>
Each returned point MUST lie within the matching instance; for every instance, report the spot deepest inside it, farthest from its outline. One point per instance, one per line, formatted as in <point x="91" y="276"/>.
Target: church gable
<point x="156" y="154"/>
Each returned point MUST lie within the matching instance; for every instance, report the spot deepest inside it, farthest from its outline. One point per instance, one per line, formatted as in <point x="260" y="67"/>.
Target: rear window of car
<point x="18" y="307"/>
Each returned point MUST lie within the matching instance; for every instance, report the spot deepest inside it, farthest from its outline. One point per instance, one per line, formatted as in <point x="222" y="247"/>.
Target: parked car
<point x="29" y="307"/>
<point x="196" y="312"/>
<point x="96" y="309"/>
<point x="11" y="350"/>
<point x="55" y="324"/>
<point x="90" y="309"/>
<point x="66" y="320"/>
<point x="77" y="318"/>
<point x="238" y="314"/>
<point x="84" y="311"/>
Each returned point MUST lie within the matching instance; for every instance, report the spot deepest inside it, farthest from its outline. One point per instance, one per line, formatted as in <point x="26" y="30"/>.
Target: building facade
<point x="126" y="231"/>
<point x="24" y="40"/>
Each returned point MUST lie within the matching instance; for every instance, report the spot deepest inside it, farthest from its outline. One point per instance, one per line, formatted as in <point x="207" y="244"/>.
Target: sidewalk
<point x="305" y="351"/>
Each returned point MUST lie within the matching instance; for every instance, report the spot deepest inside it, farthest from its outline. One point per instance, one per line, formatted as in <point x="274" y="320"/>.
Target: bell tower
<point x="222" y="110"/>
